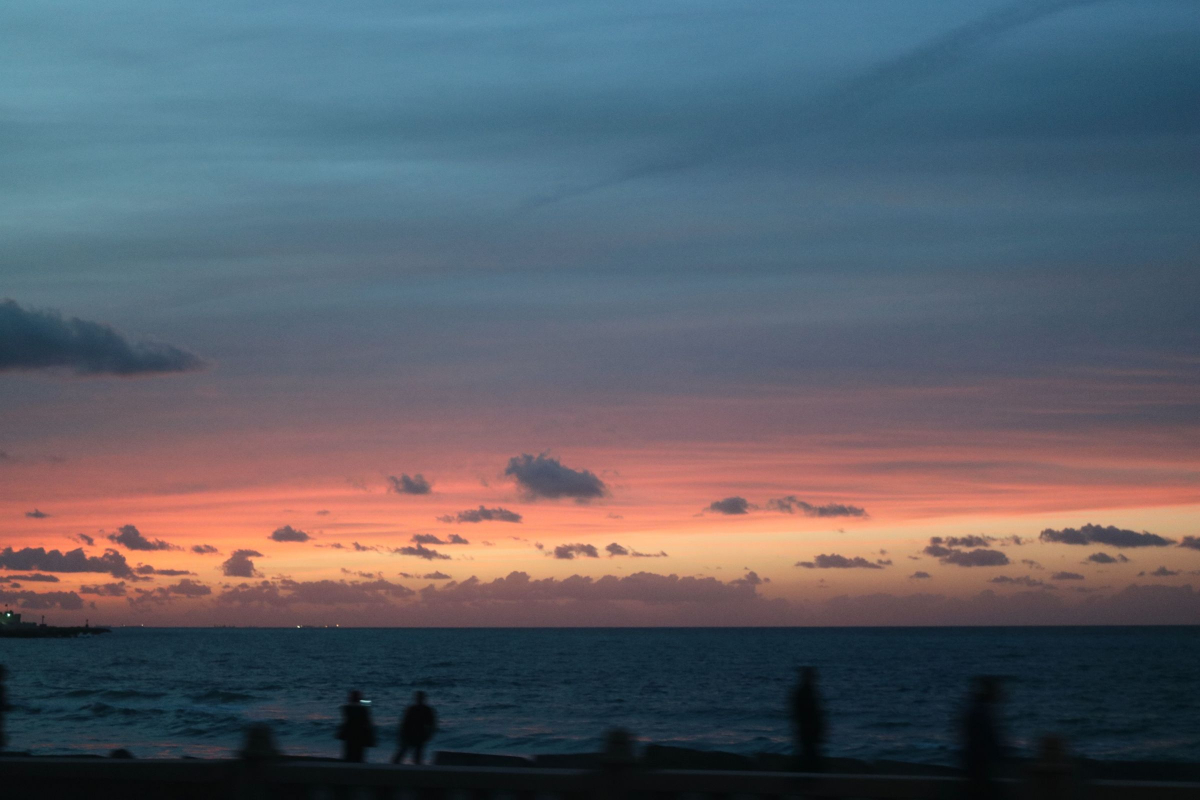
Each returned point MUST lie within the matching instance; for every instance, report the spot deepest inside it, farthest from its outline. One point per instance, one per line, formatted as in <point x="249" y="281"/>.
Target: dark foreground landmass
<point x="48" y="632"/>
<point x="665" y="757"/>
<point x="655" y="756"/>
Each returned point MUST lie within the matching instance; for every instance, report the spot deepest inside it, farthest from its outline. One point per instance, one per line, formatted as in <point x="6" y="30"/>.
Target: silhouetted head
<point x="120" y="752"/>
<point x="259" y="744"/>
<point x="419" y="698"/>
<point x="3" y="672"/>
<point x="987" y="689"/>
<point x="355" y="697"/>
<point x="808" y="675"/>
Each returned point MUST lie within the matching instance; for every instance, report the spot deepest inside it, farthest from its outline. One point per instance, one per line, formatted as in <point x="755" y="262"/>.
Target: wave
<point x="219" y="696"/>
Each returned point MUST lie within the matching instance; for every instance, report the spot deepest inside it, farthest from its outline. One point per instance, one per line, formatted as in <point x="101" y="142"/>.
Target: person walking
<point x="416" y="729"/>
<point x="808" y="721"/>
<point x="357" y="732"/>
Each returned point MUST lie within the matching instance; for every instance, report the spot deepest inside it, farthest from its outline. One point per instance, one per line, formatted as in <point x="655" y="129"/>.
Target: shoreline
<point x="666" y="757"/>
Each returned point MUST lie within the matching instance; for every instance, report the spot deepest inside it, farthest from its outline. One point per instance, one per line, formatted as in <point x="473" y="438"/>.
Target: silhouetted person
<point x="356" y="731"/>
<point x="982" y="745"/>
<point x="808" y="721"/>
<point x="416" y="729"/>
<point x="3" y="705"/>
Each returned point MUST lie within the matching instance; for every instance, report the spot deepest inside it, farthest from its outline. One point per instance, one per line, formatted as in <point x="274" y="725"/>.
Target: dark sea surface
<point x="1119" y="693"/>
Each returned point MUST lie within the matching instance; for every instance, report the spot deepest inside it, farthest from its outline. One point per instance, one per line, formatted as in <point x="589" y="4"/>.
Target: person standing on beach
<point x="808" y="721"/>
<point x="983" y="747"/>
<point x="3" y="705"/>
<point x="416" y="729"/>
<point x="357" y="732"/>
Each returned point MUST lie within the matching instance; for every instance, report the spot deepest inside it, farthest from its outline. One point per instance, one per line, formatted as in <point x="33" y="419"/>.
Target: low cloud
<point x="36" y="558"/>
<point x="944" y="549"/>
<point x="919" y="576"/>
<point x="968" y="541"/>
<point x="750" y="579"/>
<point x="546" y="477"/>
<point x="730" y="505"/>
<point x="1192" y="542"/>
<point x="436" y="576"/>
<point x="204" y="549"/>
<point x="643" y="587"/>
<point x="36" y="601"/>
<point x="31" y="340"/>
<point x="792" y="505"/>
<point x="405" y="484"/>
<point x="104" y="589"/>
<point x="1029" y="562"/>
<point x="1025" y="581"/>
<point x="186" y="589"/>
<point x="1105" y="558"/>
<point x="615" y="550"/>
<point x="284" y="592"/>
<point x="146" y="569"/>
<point x="289" y="534"/>
<point x="1066" y="576"/>
<point x="37" y="513"/>
<point x="83" y="538"/>
<point x="1110" y="535"/>
<point x="1163" y="572"/>
<point x="36" y="577"/>
<point x="569" y="551"/>
<point x="239" y="564"/>
<point x="421" y="551"/>
<point x="131" y="538"/>
<point x="482" y="514"/>
<point x="835" y="561"/>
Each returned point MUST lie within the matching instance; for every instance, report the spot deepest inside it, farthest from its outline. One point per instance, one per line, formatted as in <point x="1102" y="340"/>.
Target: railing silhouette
<point x="25" y="778"/>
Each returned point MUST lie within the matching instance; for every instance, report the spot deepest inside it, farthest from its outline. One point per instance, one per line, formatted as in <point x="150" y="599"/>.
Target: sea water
<point x="895" y="693"/>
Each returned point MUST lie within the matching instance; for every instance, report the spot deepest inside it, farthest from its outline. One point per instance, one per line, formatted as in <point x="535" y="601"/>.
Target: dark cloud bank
<point x="131" y="538"/>
<point x="615" y="550"/>
<point x="793" y="505"/>
<point x="544" y="477"/>
<point x="31" y="339"/>
<point x="239" y="565"/>
<point x="37" y="558"/>
<point x="947" y="550"/>
<point x="570" y="551"/>
<point x="835" y="561"/>
<point x="482" y="514"/>
<point x="289" y="534"/>
<point x="405" y="484"/>
<point x="730" y="505"/>
<point x="1110" y="535"/>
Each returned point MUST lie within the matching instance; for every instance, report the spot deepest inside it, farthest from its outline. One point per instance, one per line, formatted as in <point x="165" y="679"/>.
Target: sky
<point x="822" y="312"/>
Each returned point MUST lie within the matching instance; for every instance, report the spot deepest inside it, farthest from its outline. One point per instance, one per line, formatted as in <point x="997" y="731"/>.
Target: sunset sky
<point x="636" y="313"/>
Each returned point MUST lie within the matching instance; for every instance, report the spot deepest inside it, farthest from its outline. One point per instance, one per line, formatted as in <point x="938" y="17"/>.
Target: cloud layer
<point x="1107" y="535"/>
<point x="31" y="339"/>
<point x="544" y="476"/>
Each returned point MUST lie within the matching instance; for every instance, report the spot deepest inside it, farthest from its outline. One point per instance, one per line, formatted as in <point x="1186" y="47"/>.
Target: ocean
<point x="894" y="693"/>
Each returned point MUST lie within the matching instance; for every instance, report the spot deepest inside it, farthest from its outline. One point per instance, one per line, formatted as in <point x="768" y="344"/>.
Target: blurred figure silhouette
<point x="3" y="705"/>
<point x="982" y="745"/>
<point x="416" y="729"/>
<point x="808" y="721"/>
<point x="356" y="731"/>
